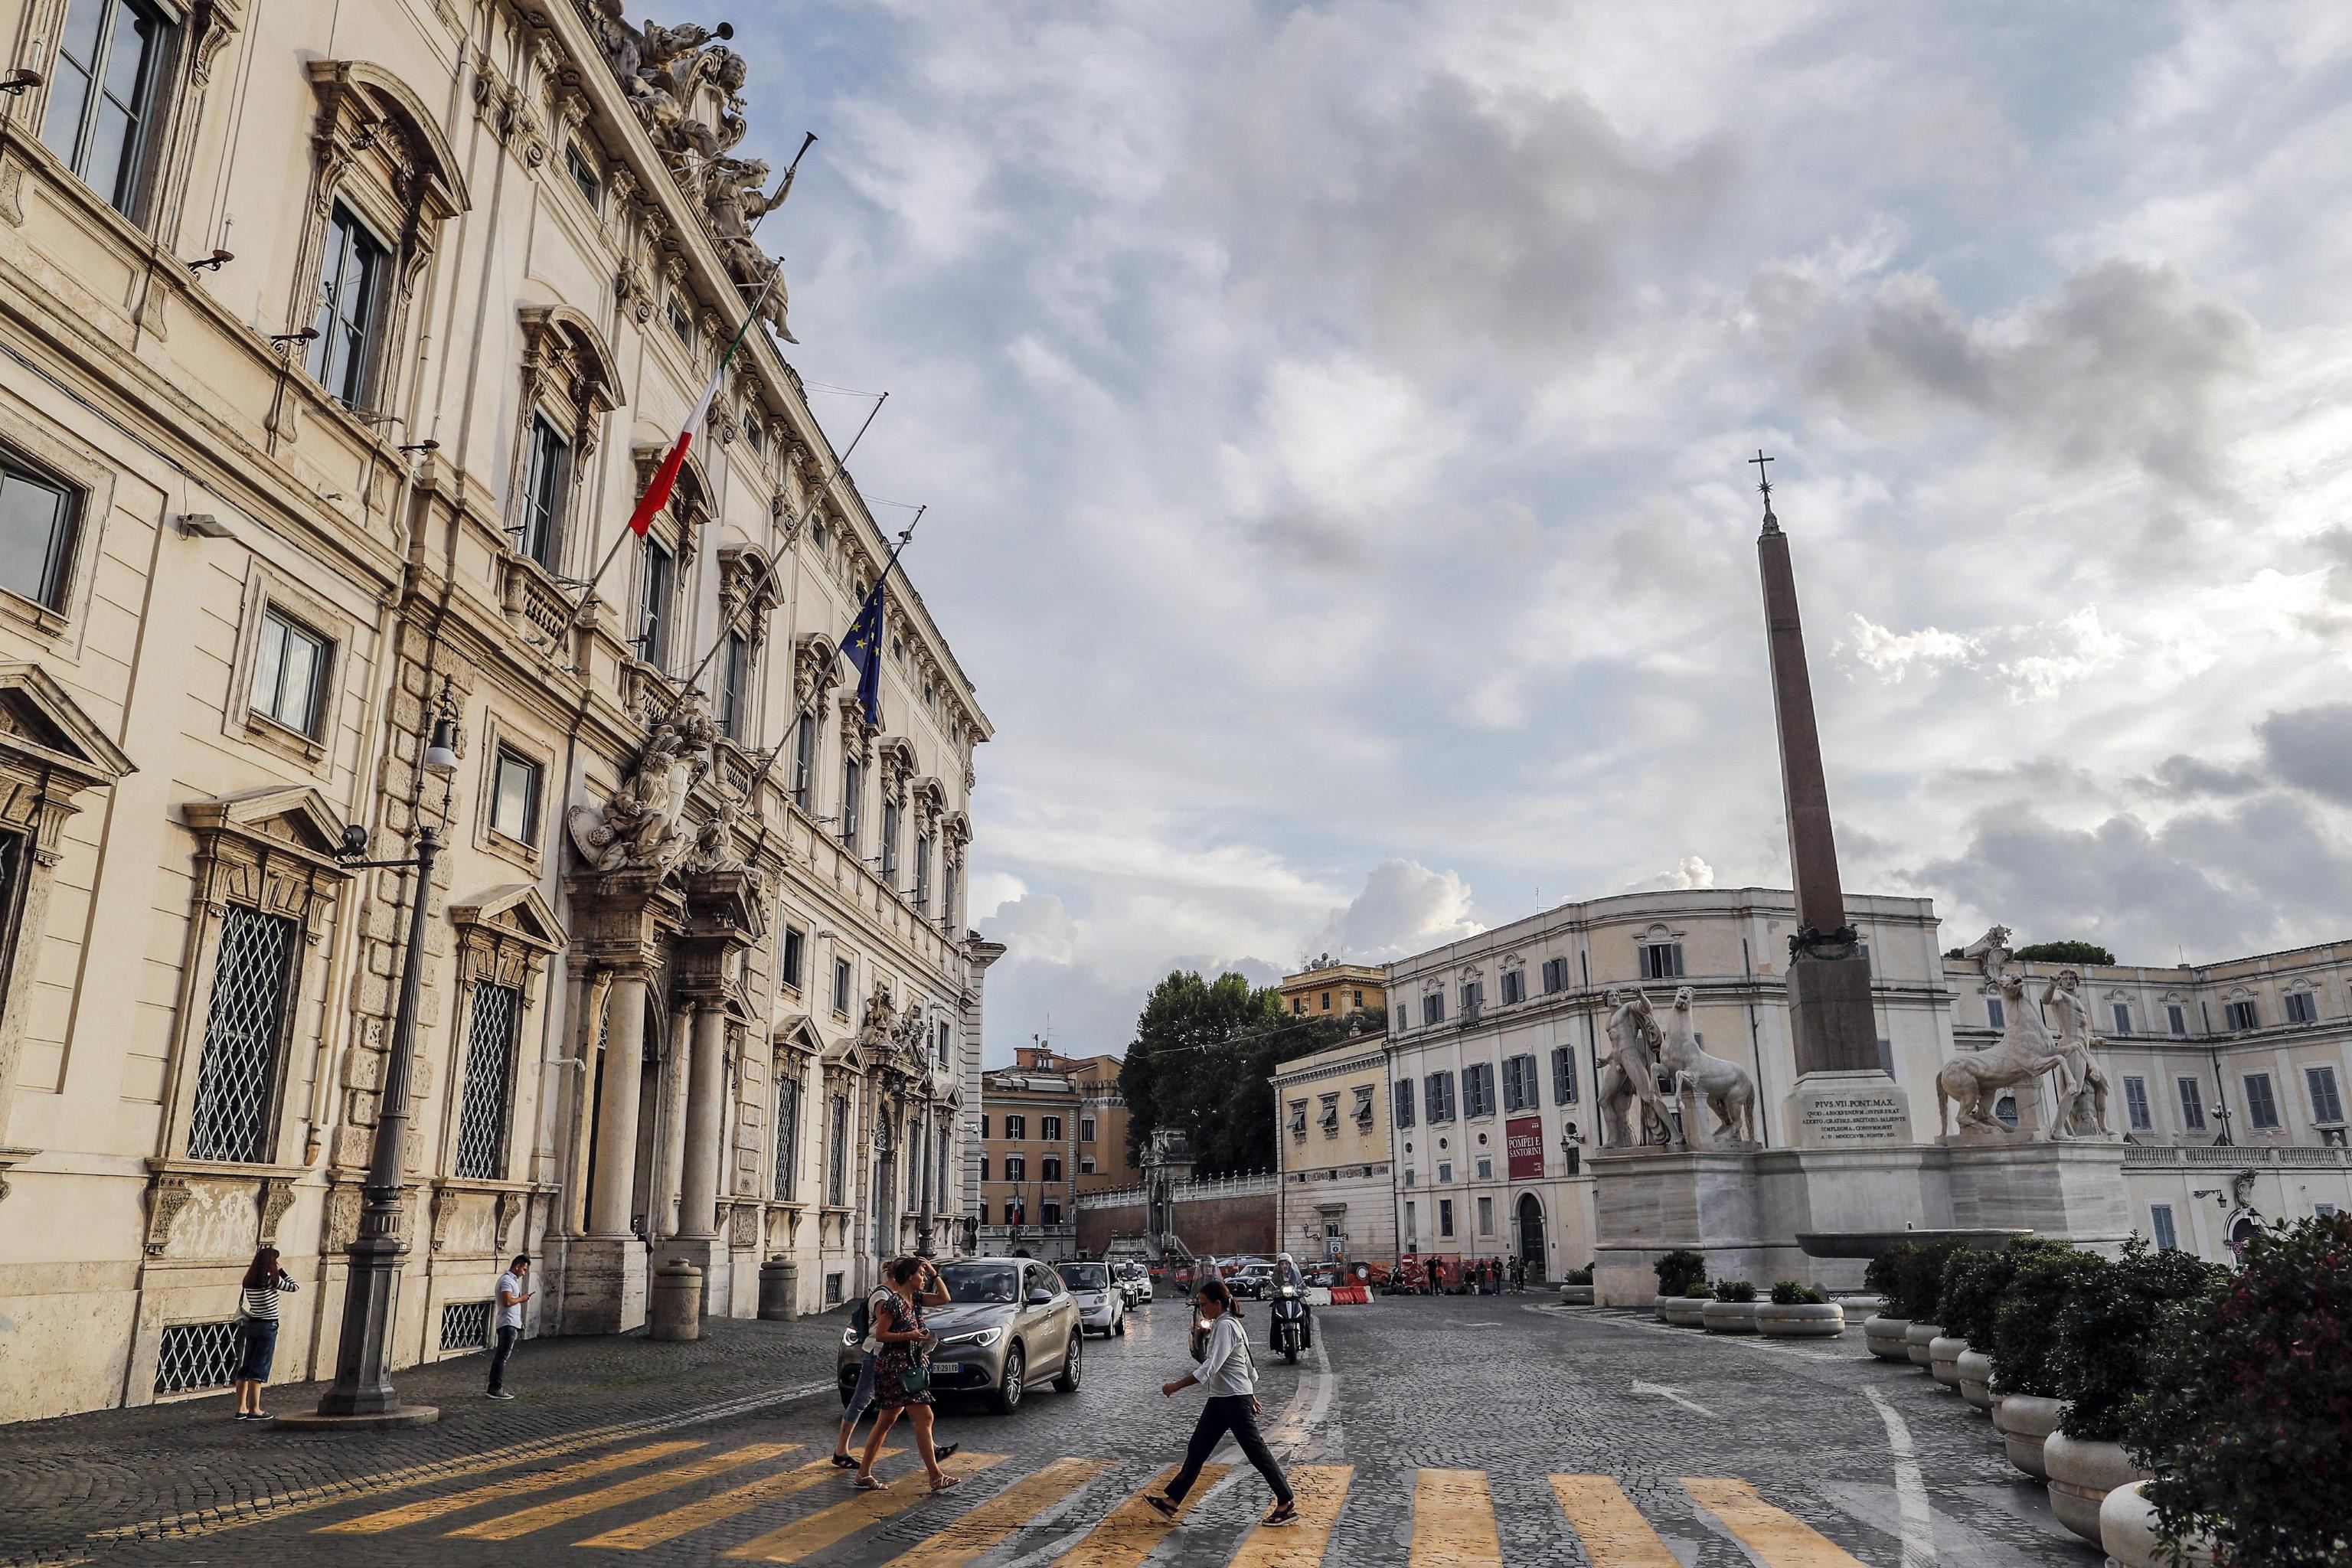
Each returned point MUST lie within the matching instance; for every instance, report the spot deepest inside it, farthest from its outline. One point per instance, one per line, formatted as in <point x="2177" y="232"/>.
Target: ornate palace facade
<point x="333" y="354"/>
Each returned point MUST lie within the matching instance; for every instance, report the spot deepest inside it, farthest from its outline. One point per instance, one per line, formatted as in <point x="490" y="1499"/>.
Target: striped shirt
<point x="260" y="1301"/>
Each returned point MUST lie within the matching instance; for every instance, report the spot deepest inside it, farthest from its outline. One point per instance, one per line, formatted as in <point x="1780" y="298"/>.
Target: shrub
<point x="2105" y="1328"/>
<point x="1733" y="1291"/>
<point x="1579" y="1276"/>
<point x="2247" y="1399"/>
<point x="2025" y="1325"/>
<point x="1786" y="1293"/>
<point x="1920" y="1279"/>
<point x="1884" y="1274"/>
<point x="1973" y="1283"/>
<point x="1679" y="1271"/>
<point x="1702" y="1291"/>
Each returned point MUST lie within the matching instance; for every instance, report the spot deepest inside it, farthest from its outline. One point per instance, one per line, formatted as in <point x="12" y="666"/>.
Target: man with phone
<point x="511" y="1296"/>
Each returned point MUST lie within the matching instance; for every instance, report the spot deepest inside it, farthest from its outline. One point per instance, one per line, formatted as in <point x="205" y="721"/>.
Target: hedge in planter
<point x="2105" y="1327"/>
<point x="1733" y="1291"/>
<point x="1973" y="1283"/>
<point x="1884" y="1276"/>
<point x="2249" y="1397"/>
<point x="1920" y="1279"/>
<point x="2025" y="1326"/>
<point x="1789" y="1293"/>
<point x="1679" y="1271"/>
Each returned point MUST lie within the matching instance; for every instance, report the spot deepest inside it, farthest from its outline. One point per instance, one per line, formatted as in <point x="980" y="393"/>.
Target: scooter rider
<point x="1286" y="1276"/>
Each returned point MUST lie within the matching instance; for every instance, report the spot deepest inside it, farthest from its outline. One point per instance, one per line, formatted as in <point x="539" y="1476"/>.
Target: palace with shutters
<point x="333" y="354"/>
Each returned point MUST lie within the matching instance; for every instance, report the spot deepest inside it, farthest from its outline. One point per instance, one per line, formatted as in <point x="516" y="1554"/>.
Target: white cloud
<point x="1405" y="908"/>
<point x="1894" y="654"/>
<point x="2077" y="647"/>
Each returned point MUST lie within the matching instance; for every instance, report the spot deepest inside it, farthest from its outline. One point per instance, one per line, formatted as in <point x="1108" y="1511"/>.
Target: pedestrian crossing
<point x="770" y="1502"/>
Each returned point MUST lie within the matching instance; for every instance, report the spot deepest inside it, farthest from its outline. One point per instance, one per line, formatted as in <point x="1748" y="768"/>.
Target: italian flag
<point x="664" y="477"/>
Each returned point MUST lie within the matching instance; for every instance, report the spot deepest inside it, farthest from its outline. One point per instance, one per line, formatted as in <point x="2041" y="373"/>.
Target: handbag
<point x="916" y="1379"/>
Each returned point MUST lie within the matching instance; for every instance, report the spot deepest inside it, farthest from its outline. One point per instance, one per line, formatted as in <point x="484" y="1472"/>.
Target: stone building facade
<point x="336" y="352"/>
<point x="1336" y="1193"/>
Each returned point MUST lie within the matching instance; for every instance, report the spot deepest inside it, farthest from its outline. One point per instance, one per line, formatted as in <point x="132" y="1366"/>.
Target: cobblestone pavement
<point x="1459" y="1431"/>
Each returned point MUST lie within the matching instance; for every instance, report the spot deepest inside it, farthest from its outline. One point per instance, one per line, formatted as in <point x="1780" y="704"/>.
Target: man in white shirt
<point x="1230" y="1378"/>
<point x="512" y="1295"/>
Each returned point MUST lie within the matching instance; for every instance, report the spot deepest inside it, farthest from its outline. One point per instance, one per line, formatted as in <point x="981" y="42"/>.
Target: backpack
<point x="861" y="1318"/>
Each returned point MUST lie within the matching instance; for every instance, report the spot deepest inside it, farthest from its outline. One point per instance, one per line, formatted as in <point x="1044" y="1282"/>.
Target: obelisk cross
<point x="1764" y="483"/>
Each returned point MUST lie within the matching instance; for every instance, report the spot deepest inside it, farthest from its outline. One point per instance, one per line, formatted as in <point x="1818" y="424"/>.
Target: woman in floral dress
<point x="906" y="1347"/>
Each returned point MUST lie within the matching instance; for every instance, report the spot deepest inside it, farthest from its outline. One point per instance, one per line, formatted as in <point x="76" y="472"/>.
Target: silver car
<point x="1007" y="1321"/>
<point x="1101" y="1298"/>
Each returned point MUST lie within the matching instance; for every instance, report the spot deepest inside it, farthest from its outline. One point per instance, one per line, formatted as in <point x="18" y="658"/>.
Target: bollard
<point x="779" y="1289"/>
<point x="675" y="1308"/>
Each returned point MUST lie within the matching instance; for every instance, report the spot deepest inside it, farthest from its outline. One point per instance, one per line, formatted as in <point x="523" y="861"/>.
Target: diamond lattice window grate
<point x="465" y="1325"/>
<point x="490" y="1064"/>
<point x="238" y="1071"/>
<point x="196" y="1355"/>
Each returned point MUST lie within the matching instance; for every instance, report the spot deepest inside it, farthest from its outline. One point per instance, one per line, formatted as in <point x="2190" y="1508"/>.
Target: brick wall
<point x="1225" y="1225"/>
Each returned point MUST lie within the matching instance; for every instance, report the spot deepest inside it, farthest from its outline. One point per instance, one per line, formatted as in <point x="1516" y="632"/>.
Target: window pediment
<point x="360" y="100"/>
<point x="40" y="721"/>
<point x="293" y="817"/>
<point x="515" y="912"/>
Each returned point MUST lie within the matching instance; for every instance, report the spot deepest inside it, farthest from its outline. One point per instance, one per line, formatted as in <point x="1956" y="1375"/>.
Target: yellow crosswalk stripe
<point x="1320" y="1489"/>
<point x="1132" y="1532"/>
<point x="1781" y="1539"/>
<point x="1454" y="1522"/>
<point x="571" y="1507"/>
<point x="826" y="1527"/>
<point x="678" y="1521"/>
<point x="513" y="1486"/>
<point x="1615" y="1534"/>
<point x="993" y="1522"/>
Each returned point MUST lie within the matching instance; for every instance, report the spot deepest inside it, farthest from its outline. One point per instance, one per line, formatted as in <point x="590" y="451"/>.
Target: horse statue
<point x="1729" y="1093"/>
<point x="1631" y="1073"/>
<point x="2082" y="1087"/>
<point x="1972" y="1079"/>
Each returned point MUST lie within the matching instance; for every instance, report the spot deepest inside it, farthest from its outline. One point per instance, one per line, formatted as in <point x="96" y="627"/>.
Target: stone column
<point x="616" y="1110"/>
<point x="670" y="1189"/>
<point x="706" y="1104"/>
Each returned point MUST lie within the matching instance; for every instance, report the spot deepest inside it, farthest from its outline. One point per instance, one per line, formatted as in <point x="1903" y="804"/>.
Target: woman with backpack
<point x="1230" y="1377"/>
<point x="902" y="1369"/>
<point x="258" y="1330"/>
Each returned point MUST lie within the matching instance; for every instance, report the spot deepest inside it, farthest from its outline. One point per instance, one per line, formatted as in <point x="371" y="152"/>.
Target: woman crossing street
<point x="1230" y="1378"/>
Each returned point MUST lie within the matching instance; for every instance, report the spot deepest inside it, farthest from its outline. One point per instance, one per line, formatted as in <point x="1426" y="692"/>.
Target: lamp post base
<point x="390" y="1420"/>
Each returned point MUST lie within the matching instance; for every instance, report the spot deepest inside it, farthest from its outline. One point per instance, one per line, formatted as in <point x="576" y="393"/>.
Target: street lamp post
<point x="361" y="1396"/>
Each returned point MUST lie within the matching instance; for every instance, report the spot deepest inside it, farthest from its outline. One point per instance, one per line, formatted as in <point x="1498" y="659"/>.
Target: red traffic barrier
<point x="1351" y="1296"/>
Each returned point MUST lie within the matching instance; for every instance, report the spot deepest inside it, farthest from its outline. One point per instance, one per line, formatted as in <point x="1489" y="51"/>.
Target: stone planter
<point x="1575" y="1295"/>
<point x="1728" y="1317"/>
<point x="1861" y="1309"/>
<point x="2127" y="1533"/>
<point x="1916" y="1338"/>
<point x="1975" y="1371"/>
<point x="1686" y="1311"/>
<point x="1803" y="1320"/>
<point x="1943" y="1359"/>
<point x="1884" y="1337"/>
<point x="1658" y="1305"/>
<point x="2026" y="1421"/>
<point x="2082" y="1474"/>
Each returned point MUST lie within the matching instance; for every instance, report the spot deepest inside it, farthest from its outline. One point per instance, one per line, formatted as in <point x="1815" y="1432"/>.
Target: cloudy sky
<point x="1333" y="418"/>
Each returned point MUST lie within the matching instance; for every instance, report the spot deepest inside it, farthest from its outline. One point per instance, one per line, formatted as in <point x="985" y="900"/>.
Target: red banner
<point x="1523" y="1137"/>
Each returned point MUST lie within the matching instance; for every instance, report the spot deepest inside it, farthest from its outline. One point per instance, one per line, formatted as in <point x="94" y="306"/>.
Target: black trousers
<point x="498" y="1354"/>
<point x="1227" y="1412"/>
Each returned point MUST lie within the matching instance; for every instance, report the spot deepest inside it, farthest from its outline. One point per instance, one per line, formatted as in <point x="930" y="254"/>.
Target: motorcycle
<point x="1291" y="1332"/>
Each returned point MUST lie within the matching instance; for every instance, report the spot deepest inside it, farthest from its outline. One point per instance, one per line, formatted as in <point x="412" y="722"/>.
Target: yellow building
<point x="1334" y="1198"/>
<point x="1335" y="989"/>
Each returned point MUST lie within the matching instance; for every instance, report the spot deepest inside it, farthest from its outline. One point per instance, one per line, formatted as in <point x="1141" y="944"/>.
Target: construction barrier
<point x="1352" y="1296"/>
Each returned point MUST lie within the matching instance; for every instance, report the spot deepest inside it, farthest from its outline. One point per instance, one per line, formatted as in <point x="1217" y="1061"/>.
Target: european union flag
<point x="863" y="648"/>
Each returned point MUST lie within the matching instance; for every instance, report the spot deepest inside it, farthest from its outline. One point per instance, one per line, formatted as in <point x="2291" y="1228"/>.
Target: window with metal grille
<point x="837" y="1173"/>
<point x="236" y="1078"/>
<point x="465" y="1325"/>
<point x="788" y="1132"/>
<point x="1563" y="1075"/>
<point x="196" y="1355"/>
<point x="483" y="1114"/>
<point x="1662" y="961"/>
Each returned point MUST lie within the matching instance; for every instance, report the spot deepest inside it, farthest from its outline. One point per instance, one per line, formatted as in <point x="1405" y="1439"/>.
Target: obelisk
<point x="1832" y="1027"/>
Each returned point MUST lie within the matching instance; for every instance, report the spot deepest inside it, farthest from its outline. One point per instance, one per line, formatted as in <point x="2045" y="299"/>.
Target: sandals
<point x="844" y="1462"/>
<point x="1161" y="1506"/>
<point x="946" y="1483"/>
<point x="945" y="1452"/>
<point x="870" y="1484"/>
<point x="1283" y="1514"/>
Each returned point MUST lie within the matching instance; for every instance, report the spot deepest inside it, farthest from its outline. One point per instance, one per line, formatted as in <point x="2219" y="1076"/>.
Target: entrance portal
<point x="1531" y="1237"/>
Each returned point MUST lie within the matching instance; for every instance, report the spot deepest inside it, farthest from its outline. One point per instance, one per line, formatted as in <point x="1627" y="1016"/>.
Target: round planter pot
<point x="1658" y="1305"/>
<point x="2081" y="1476"/>
<point x="1575" y="1295"/>
<point x="1861" y="1309"/>
<point x="1943" y="1359"/>
<point x="1728" y="1317"/>
<point x="1884" y="1337"/>
<point x="1801" y="1320"/>
<point x="1686" y="1311"/>
<point x="2128" y="1534"/>
<point x="1974" y="1369"/>
<point x="2026" y="1421"/>
<point x="1916" y="1338"/>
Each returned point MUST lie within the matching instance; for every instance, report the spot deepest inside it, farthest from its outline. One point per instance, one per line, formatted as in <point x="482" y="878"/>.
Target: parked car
<point x="1006" y="1320"/>
<point x="1101" y="1298"/>
<point x="1252" y="1282"/>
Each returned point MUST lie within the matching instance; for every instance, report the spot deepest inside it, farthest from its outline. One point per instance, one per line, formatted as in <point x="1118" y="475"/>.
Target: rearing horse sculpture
<point x="1723" y="1085"/>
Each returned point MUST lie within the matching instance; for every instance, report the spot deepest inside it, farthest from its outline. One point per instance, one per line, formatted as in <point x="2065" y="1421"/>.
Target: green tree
<point x="1203" y="1056"/>
<point x="2068" y="952"/>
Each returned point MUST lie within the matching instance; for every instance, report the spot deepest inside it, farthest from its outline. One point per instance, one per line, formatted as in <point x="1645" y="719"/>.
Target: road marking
<point x="1454" y="1522"/>
<point x="1132" y="1532"/>
<point x="828" y="1526"/>
<point x="272" y="1506"/>
<point x="678" y="1521"/>
<point x="1614" y="1533"/>
<point x="1663" y="1392"/>
<point x="994" y="1521"/>
<point x="513" y="1486"/>
<point x="1652" y="1326"/>
<point x="1780" y="1540"/>
<point x="1319" y="1489"/>
<point x="563" y="1509"/>
<point x="1910" y="1487"/>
